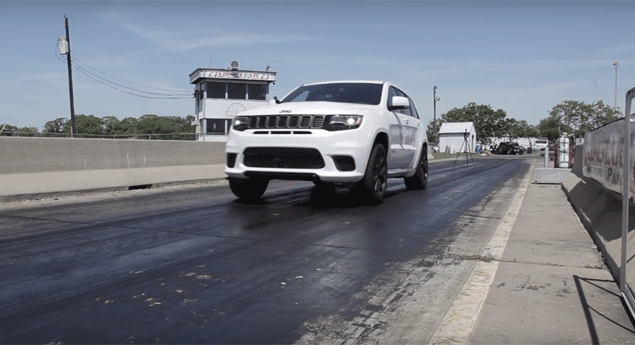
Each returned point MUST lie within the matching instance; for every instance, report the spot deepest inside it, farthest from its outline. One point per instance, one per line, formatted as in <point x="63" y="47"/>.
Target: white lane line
<point x="460" y="319"/>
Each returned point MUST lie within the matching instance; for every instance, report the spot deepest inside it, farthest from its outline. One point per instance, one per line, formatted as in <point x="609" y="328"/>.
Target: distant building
<point x="453" y="137"/>
<point x="221" y="93"/>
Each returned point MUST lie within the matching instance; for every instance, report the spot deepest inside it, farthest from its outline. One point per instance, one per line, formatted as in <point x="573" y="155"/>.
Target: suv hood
<point x="312" y="108"/>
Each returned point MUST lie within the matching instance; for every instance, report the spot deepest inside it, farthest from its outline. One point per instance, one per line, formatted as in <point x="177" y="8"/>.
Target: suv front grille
<point x="286" y="121"/>
<point x="283" y="157"/>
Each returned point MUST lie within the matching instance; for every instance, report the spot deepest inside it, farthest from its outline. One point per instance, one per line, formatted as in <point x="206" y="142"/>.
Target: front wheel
<point x="373" y="185"/>
<point x="420" y="179"/>
<point x="248" y="188"/>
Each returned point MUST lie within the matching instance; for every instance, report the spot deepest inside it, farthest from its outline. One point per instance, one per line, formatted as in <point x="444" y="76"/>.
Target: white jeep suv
<point x="351" y="133"/>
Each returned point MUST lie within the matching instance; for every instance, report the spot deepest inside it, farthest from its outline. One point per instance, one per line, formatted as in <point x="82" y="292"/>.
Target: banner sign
<point x="604" y="156"/>
<point x="229" y="74"/>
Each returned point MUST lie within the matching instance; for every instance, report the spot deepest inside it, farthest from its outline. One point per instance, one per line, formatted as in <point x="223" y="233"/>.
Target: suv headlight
<point x="342" y="122"/>
<point x="240" y="123"/>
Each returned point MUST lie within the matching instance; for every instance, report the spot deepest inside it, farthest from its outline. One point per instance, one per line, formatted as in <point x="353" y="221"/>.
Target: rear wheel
<point x="420" y="179"/>
<point x="248" y="188"/>
<point x="373" y="185"/>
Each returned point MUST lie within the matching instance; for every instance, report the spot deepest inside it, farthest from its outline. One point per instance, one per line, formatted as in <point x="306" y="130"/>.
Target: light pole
<point x="616" y="63"/>
<point x="434" y="123"/>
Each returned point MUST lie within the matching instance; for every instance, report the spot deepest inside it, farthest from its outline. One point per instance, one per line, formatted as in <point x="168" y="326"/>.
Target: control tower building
<point x="221" y="93"/>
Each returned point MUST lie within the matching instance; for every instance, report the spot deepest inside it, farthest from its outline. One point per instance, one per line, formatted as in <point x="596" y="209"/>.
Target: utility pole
<point x="616" y="63"/>
<point x="70" y="78"/>
<point x="434" y="121"/>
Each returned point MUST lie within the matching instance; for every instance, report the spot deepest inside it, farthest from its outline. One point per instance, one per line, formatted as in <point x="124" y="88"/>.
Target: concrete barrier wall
<point x="43" y="165"/>
<point x="600" y="210"/>
<point x="577" y="162"/>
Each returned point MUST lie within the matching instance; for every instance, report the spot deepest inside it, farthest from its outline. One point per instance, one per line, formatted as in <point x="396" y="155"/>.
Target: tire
<point x="249" y="189"/>
<point x="372" y="187"/>
<point x="521" y="152"/>
<point x="420" y="179"/>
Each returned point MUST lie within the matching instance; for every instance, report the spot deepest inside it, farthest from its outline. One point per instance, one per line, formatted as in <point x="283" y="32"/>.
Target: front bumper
<point x="329" y="146"/>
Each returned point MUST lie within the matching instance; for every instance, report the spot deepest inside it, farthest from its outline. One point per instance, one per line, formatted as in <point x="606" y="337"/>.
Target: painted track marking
<point x="460" y="319"/>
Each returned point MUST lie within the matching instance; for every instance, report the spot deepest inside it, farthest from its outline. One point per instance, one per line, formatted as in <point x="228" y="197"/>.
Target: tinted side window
<point x="413" y="110"/>
<point x="407" y="110"/>
<point x="392" y="92"/>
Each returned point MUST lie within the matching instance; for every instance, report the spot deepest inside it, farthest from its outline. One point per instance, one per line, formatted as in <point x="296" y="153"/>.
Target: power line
<point x="146" y="86"/>
<point x="88" y="74"/>
<point x="110" y="83"/>
<point x="129" y="82"/>
<point x="91" y="75"/>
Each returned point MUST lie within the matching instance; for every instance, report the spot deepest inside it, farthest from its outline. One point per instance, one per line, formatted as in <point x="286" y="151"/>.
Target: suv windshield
<point x="360" y="93"/>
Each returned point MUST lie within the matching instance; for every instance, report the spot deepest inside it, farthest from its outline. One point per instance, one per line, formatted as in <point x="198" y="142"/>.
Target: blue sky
<point x="522" y="57"/>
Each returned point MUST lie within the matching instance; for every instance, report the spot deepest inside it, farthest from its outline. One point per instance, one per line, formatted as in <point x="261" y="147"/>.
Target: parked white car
<point x="355" y="134"/>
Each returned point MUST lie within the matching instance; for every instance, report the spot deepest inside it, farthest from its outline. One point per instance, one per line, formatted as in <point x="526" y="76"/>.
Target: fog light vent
<point x="344" y="163"/>
<point x="231" y="160"/>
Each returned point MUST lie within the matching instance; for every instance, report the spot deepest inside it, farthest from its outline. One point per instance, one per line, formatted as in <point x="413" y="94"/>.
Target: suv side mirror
<point x="399" y="102"/>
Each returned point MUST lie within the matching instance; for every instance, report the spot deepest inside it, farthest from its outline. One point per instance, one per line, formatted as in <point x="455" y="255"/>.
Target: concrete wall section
<point x="577" y="163"/>
<point x="64" y="181"/>
<point x="43" y="165"/>
<point x="29" y="155"/>
<point x="601" y="213"/>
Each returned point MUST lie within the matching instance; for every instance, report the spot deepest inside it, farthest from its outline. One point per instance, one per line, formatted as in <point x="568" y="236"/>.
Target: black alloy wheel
<point x="373" y="186"/>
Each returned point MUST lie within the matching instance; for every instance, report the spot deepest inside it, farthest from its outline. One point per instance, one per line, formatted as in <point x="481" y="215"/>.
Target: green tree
<point x="552" y="128"/>
<point x="432" y="136"/>
<point x="603" y="114"/>
<point x="88" y="125"/>
<point x="8" y="130"/>
<point x="110" y="125"/>
<point x="57" y="126"/>
<point x="154" y="124"/>
<point x="129" y="125"/>
<point x="28" y="131"/>
<point x="520" y="129"/>
<point x="488" y="122"/>
<point x="582" y="117"/>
